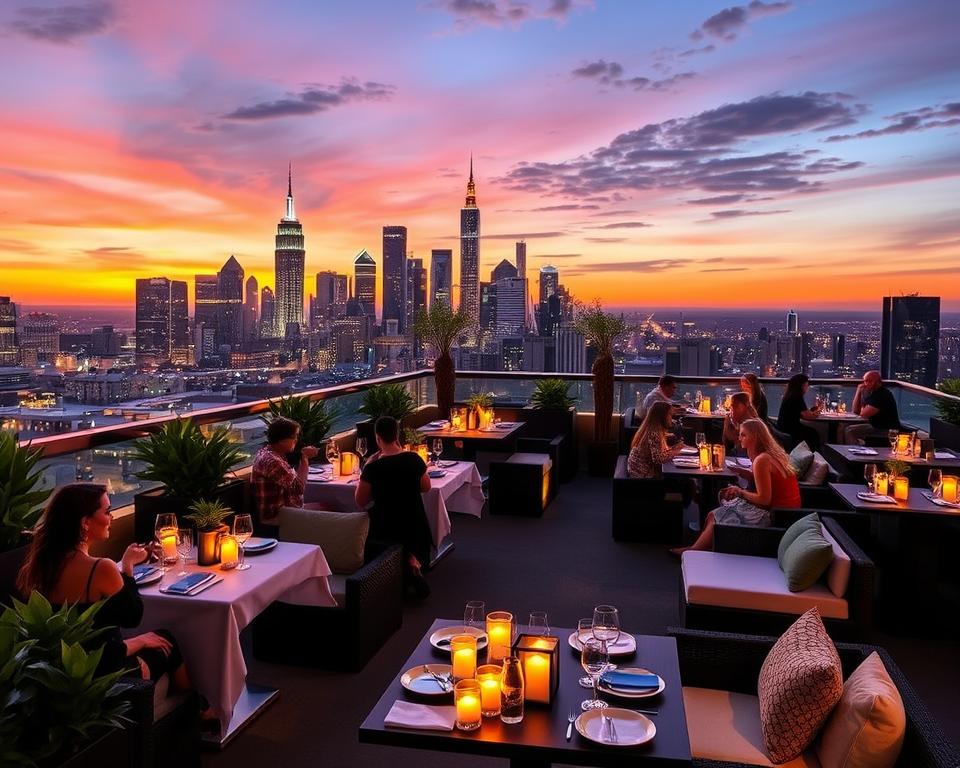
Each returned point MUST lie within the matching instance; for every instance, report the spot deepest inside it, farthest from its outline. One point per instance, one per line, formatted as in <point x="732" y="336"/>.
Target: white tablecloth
<point x="458" y="491"/>
<point x="207" y="626"/>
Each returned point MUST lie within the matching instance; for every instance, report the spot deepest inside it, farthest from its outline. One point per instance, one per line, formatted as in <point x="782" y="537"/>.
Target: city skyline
<point x="766" y="154"/>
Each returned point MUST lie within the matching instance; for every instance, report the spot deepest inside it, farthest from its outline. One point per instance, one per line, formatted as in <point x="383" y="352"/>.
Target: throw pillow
<point x="800" y="683"/>
<point x="868" y="725"/>
<point x="341" y="535"/>
<point x="819" y="469"/>
<point x="801" y="458"/>
<point x="838" y="574"/>
<point x="806" y="560"/>
<point x="806" y="523"/>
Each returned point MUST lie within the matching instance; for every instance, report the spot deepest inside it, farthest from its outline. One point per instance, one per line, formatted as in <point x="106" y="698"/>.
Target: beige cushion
<point x="867" y="727"/>
<point x="800" y="682"/>
<point x="751" y="583"/>
<point x="838" y="574"/>
<point x="818" y="471"/>
<point x="341" y="535"/>
<point x="725" y="727"/>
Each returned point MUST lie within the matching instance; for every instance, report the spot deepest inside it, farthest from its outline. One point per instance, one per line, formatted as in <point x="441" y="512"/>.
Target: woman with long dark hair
<point x="793" y="409"/>
<point x="750" y="383"/>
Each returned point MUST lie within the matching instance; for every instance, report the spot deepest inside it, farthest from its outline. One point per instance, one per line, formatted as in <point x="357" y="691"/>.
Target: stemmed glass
<point x="537" y="623"/>
<point x="892" y="435"/>
<point x="700" y="439"/>
<point x="362" y="448"/>
<point x="935" y="478"/>
<point x="333" y="456"/>
<point x="585" y="630"/>
<point x="184" y="548"/>
<point x="606" y="624"/>
<point x="242" y="530"/>
<point x="869" y="474"/>
<point x="166" y="526"/>
<point x="697" y="399"/>
<point x="594" y="659"/>
<point x="437" y="449"/>
<point x="475" y="614"/>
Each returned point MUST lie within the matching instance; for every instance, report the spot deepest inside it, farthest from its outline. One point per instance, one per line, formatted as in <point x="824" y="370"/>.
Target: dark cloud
<point x="653" y="265"/>
<point x="565" y="207"/>
<point x="601" y="70"/>
<point x="557" y="255"/>
<point x="622" y="225"/>
<point x="921" y="119"/>
<point x="730" y="22"/>
<point x="739" y="213"/>
<point x="606" y="239"/>
<point x="611" y="73"/>
<point x="602" y="214"/>
<point x="523" y="236"/>
<point x="497" y="13"/>
<point x="726" y="269"/>
<point x="703" y="152"/>
<point x="63" y="23"/>
<point x="694" y="51"/>
<point x="717" y="200"/>
<point x="314" y="98"/>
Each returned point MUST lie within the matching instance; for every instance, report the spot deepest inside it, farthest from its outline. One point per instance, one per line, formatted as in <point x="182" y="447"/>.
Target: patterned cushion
<point x="800" y="683"/>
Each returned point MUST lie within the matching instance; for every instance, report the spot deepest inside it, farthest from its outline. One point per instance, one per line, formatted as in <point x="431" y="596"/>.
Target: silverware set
<point x="444" y="682"/>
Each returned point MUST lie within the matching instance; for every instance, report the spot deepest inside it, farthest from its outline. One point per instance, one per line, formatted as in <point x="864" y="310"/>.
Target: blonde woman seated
<point x="649" y="448"/>
<point x="773" y="479"/>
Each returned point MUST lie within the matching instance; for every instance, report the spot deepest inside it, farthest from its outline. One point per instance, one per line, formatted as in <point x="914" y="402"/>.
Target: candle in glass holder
<point x="422" y="452"/>
<point x="348" y="462"/>
<point x="902" y="447"/>
<point x="168" y="545"/>
<point x="536" y="673"/>
<point x="882" y="483"/>
<point x="719" y="456"/>
<point x="705" y="457"/>
<point x="229" y="551"/>
<point x="901" y="488"/>
<point x="463" y="656"/>
<point x="466" y="697"/>
<point x="705" y="406"/>
<point x="488" y="676"/>
<point x="499" y="635"/>
<point x="949" y="490"/>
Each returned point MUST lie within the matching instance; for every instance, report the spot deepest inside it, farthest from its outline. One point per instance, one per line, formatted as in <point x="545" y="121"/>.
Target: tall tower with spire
<point x="289" y="258"/>
<point x="470" y="253"/>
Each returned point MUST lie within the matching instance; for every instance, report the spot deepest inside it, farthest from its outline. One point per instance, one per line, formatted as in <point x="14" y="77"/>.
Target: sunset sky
<point x="658" y="152"/>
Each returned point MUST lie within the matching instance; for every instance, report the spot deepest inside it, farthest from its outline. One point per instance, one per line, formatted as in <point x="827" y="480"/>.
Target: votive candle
<point x="499" y="635"/>
<point x="903" y="445"/>
<point x="705" y="457"/>
<point x="168" y="545"/>
<point x="901" y="488"/>
<point x="463" y="656"/>
<point x="949" y="489"/>
<point x="229" y="551"/>
<point x="882" y="483"/>
<point x="488" y="676"/>
<point x="466" y="697"/>
<point x="536" y="674"/>
<point x="705" y="406"/>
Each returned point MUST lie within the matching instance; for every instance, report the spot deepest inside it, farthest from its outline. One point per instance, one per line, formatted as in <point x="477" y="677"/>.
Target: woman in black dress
<point x="394" y="480"/>
<point x="793" y="409"/>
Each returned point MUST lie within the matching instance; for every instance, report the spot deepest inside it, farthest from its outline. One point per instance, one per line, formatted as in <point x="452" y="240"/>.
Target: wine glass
<point x="584" y="630"/>
<point x="165" y="528"/>
<point x="474" y="614"/>
<point x="869" y="474"/>
<point x="242" y="530"/>
<point x="700" y="439"/>
<point x="697" y="399"/>
<point x="184" y="548"/>
<point x="892" y="435"/>
<point x="606" y="624"/>
<point x="594" y="659"/>
<point x="537" y="623"/>
<point x="935" y="478"/>
<point x="333" y="456"/>
<point x="437" y="449"/>
<point x="362" y="447"/>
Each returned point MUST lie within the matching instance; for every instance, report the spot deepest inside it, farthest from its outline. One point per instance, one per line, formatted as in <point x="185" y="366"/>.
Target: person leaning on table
<point x="663" y="393"/>
<point x="875" y="403"/>
<point x="740" y="411"/>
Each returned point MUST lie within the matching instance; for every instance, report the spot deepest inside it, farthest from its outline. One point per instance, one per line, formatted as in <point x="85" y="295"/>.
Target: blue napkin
<point x="188" y="582"/>
<point x="143" y="571"/>
<point x="619" y="679"/>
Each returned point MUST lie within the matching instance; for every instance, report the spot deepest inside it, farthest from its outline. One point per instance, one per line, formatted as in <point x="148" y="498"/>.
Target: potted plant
<point x="20" y="499"/>
<point x="208" y="517"/>
<point x="945" y="430"/>
<point x="313" y="416"/>
<point x="601" y="331"/>
<point x="440" y="327"/>
<point x="477" y="403"/>
<point x="56" y="710"/>
<point x="551" y="412"/>
<point x="191" y="467"/>
<point x="384" y="400"/>
<point x="414" y="440"/>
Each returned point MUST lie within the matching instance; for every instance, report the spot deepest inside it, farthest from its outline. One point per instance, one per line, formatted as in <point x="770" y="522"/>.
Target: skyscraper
<point x="161" y="321"/>
<point x="394" y="276"/>
<point x="511" y="305"/>
<point x="470" y="253"/>
<point x="549" y="309"/>
<point x="910" y="339"/>
<point x="522" y="259"/>
<point x="179" y="323"/>
<point x="289" y="259"/>
<point x="251" y="310"/>
<point x="9" y="350"/>
<point x="365" y="282"/>
<point x="416" y="291"/>
<point x="441" y="275"/>
<point x="39" y="338"/>
<point x="205" y="300"/>
<point x="268" y="312"/>
<point x="230" y="303"/>
<point x="503" y="270"/>
<point x="331" y="301"/>
<point x="793" y="322"/>
<point x="838" y="343"/>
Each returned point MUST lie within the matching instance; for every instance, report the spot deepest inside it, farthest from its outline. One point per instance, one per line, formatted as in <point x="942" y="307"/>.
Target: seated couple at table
<point x="395" y="481"/>
<point x="275" y="482"/>
<point x="771" y="476"/>
<point x="60" y="567"/>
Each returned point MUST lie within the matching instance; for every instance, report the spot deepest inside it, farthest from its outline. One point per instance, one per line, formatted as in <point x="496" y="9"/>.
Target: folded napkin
<point x="189" y="584"/>
<point x="256" y="542"/>
<point x="407" y="714"/>
<point x="863" y="452"/>
<point x="684" y="462"/>
<point x="639" y="680"/>
<point x="688" y="450"/>
<point x="940" y="502"/>
<point x="943" y="455"/>
<point x="144" y="571"/>
<point x="875" y="498"/>
<point x="436" y="473"/>
<point x="505" y="425"/>
<point x="440" y="423"/>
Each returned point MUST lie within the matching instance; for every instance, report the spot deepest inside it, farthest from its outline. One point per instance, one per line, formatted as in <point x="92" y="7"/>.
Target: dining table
<point x="500" y="437"/>
<point x="539" y="740"/>
<point x="833" y="421"/>
<point x="711" y="480"/>
<point x="207" y="625"/>
<point x="850" y="460"/>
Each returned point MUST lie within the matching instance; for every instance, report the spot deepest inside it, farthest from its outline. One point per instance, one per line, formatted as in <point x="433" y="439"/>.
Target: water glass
<point x="594" y="659"/>
<point x="870" y="474"/>
<point x="475" y="614"/>
<point x="584" y="630"/>
<point x="184" y="548"/>
<point x="701" y="439"/>
<point x="437" y="449"/>
<point x="935" y="478"/>
<point x="361" y="447"/>
<point x="606" y="624"/>
<point x="537" y="623"/>
<point x="511" y="691"/>
<point x="165" y="528"/>
<point x="892" y="437"/>
<point x="242" y="530"/>
<point x="333" y="454"/>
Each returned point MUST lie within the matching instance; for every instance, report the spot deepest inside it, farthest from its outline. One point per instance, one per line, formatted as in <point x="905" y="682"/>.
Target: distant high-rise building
<point x="793" y="322"/>
<point x="910" y="339"/>
<point x="179" y="323"/>
<point x="522" y="259"/>
<point x="289" y="259"/>
<point x="365" y="282"/>
<point x="692" y="357"/>
<point x="470" y="253"/>
<point x="441" y="275"/>
<point x="9" y="349"/>
<point x="511" y="304"/>
<point x="251" y="309"/>
<point x="488" y="306"/>
<point x="230" y="303"/>
<point x="838" y="343"/>
<point x="805" y="356"/>
<point x="503" y="270"/>
<point x="268" y="313"/>
<point x="39" y="338"/>
<point x="331" y="300"/>
<point x="415" y="292"/>
<point x="161" y="321"/>
<point x="104" y="342"/>
<point x="206" y="303"/>
<point x="394" y="276"/>
<point x="549" y="309"/>
<point x="571" y="350"/>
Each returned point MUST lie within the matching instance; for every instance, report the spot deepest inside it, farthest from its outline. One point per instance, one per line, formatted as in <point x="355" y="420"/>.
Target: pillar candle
<point x="422" y="452"/>
<point x="949" y="489"/>
<point x="348" y="462"/>
<point x="903" y="445"/>
<point x="488" y="675"/>
<point x="882" y="483"/>
<point x="228" y="551"/>
<point x="705" y="405"/>
<point x="901" y="488"/>
<point x="463" y="656"/>
<point x="705" y="457"/>
<point x="536" y="673"/>
<point x="168" y="545"/>
<point x="499" y="635"/>
<point x="466" y="696"/>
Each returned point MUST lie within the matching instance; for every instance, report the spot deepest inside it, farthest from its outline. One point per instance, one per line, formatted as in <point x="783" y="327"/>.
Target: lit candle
<point x="949" y="489"/>
<point x="348" y="462"/>
<point x="228" y="551"/>
<point x="704" y="457"/>
<point x="463" y="655"/>
<point x="422" y="452"/>
<point x="168" y="545"/>
<point x="882" y="483"/>
<point x="903" y="445"/>
<point x="488" y="676"/>
<point x="536" y="673"/>
<point x="499" y="635"/>
<point x="705" y="405"/>
<point x="901" y="488"/>
<point x="719" y="456"/>
<point x="466" y="696"/>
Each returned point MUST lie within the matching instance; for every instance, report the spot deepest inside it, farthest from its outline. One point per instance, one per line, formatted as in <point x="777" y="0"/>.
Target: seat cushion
<point x="801" y="458"/>
<point x="838" y="574"/>
<point x="867" y="727"/>
<point x="542" y="459"/>
<point x="800" y="683"/>
<point x="341" y="535"/>
<point x="725" y="726"/>
<point x="805" y="523"/>
<point x="806" y="560"/>
<point x="751" y="583"/>
<point x="818" y="470"/>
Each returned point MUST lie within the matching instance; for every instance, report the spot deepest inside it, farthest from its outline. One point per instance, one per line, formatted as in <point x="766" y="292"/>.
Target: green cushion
<point x="806" y="560"/>
<point x="809" y="523"/>
<point x="801" y="458"/>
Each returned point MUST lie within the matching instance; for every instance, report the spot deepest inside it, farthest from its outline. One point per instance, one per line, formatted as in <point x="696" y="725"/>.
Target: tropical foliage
<point x="552" y="393"/>
<point x="387" y="400"/>
<point x="20" y="498"/>
<point x="208" y="515"/>
<point x="413" y="437"/>
<point x="479" y="400"/>
<point x="315" y="417"/>
<point x="949" y="410"/>
<point x="440" y="327"/>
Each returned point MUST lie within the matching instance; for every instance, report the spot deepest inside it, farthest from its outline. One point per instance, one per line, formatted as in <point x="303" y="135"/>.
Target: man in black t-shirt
<point x="877" y="405"/>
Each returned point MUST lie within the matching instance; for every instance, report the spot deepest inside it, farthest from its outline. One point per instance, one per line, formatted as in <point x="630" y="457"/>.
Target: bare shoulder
<point x="763" y="461"/>
<point x="106" y="579"/>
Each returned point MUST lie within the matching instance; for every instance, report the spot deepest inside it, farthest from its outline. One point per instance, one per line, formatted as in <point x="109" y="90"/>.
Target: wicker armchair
<point x="172" y="738"/>
<point x="730" y="662"/>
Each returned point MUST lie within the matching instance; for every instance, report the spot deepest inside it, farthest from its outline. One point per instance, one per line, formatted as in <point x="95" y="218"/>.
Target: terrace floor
<point x="564" y="563"/>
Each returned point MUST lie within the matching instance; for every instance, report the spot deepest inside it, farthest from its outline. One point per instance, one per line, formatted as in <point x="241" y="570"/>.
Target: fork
<point x="606" y="723"/>
<point x="436" y="678"/>
<point x="570" y="718"/>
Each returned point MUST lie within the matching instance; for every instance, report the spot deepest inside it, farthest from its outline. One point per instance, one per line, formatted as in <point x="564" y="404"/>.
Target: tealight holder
<point x="466" y="699"/>
<point x="949" y="488"/>
<point x="499" y="635"/>
<point x="488" y="677"/>
<point x="901" y="488"/>
<point x="349" y="463"/>
<point x="540" y="660"/>
<point x="902" y="446"/>
<point x="229" y="547"/>
<point x="881" y="483"/>
<point x="168" y="545"/>
<point x="463" y="656"/>
<point x="705" y="456"/>
<point x="705" y="406"/>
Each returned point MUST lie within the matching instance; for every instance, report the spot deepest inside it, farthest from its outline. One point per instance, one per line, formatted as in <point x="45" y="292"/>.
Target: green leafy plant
<point x="188" y="464"/>
<point x="387" y="400"/>
<point x="552" y="393"/>
<point x="51" y="696"/>
<point x="413" y="437"/>
<point x="314" y="417"/>
<point x="20" y="499"/>
<point x="208" y="515"/>
<point x="897" y="467"/>
<point x="479" y="400"/>
<point x="440" y="327"/>
<point x="949" y="409"/>
<point x="601" y="330"/>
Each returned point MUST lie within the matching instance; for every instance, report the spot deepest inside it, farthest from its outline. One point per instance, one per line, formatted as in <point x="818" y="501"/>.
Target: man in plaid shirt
<point x="275" y="483"/>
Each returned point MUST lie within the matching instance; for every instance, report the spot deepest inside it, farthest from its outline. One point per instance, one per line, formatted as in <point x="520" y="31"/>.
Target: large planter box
<point x="149" y="504"/>
<point x="944" y="434"/>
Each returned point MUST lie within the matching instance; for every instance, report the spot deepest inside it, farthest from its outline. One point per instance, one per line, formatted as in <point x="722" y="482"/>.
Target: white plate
<point x="632" y="727"/>
<point x="445" y="633"/>
<point x="875" y="498"/>
<point x="255" y="545"/>
<point x="625" y="645"/>
<point x="153" y="578"/>
<point x="633" y="693"/>
<point x="436" y="473"/>
<point x="418" y="680"/>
